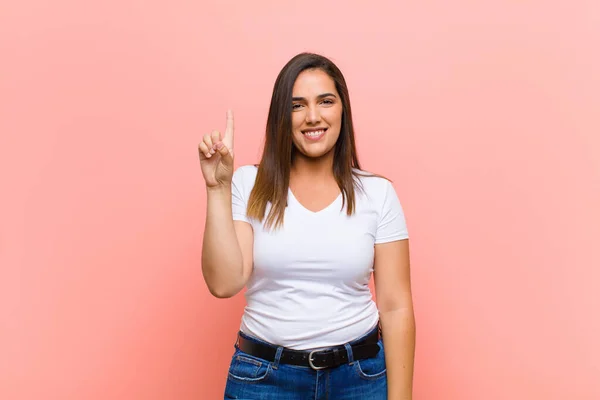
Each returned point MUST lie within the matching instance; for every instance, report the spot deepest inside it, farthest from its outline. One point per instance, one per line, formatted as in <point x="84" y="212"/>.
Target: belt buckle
<point x="310" y="361"/>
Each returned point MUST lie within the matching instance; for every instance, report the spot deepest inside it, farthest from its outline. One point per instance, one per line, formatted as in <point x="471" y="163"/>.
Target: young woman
<point x="303" y="231"/>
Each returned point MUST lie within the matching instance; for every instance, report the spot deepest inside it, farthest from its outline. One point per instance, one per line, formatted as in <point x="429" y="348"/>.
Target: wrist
<point x="223" y="189"/>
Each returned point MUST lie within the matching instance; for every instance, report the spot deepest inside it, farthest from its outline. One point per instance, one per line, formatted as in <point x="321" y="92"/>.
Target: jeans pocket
<point x="248" y="369"/>
<point x="372" y="368"/>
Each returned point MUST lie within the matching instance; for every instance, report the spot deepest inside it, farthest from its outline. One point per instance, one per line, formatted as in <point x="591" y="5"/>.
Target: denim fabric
<point x="252" y="378"/>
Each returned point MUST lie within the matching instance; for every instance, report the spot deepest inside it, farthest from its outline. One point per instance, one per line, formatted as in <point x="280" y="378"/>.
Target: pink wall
<point x="485" y="114"/>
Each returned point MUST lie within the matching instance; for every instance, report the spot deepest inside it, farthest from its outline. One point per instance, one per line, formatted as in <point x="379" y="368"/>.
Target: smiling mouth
<point x="314" y="134"/>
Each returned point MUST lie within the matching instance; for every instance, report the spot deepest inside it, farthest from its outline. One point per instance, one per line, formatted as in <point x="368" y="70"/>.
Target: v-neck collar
<point x="323" y="210"/>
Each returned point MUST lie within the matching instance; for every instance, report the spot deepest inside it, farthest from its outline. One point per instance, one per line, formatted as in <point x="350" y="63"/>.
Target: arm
<point x="227" y="247"/>
<point x="394" y="300"/>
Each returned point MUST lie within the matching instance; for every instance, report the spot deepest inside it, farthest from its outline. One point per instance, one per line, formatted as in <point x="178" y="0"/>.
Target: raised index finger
<point x="229" y="126"/>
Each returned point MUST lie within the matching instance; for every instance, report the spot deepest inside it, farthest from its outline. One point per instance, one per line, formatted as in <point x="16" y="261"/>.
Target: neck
<point x="314" y="168"/>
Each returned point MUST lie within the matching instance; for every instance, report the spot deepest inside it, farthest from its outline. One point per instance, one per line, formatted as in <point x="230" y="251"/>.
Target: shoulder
<point x="373" y="184"/>
<point x="377" y="192"/>
<point x="245" y="174"/>
<point x="243" y="180"/>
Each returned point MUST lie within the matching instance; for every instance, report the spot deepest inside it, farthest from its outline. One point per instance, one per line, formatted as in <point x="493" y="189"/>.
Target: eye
<point x="327" y="102"/>
<point x="296" y="106"/>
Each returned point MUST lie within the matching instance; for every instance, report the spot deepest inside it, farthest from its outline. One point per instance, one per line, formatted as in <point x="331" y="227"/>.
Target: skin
<point x="316" y="104"/>
<point x="396" y="314"/>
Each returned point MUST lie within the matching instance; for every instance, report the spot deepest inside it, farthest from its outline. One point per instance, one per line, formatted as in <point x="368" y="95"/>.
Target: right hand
<point x="216" y="156"/>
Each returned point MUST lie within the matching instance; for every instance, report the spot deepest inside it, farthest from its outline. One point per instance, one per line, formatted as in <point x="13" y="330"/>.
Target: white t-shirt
<point x="309" y="286"/>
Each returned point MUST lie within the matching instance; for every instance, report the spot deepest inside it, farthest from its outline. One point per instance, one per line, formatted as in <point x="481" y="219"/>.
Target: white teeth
<point x="314" y="133"/>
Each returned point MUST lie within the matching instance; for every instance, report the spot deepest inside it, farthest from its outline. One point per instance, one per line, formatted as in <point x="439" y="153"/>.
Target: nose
<point x="313" y="115"/>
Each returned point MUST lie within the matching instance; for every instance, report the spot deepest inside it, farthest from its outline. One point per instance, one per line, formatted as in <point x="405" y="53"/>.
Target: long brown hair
<point x="273" y="177"/>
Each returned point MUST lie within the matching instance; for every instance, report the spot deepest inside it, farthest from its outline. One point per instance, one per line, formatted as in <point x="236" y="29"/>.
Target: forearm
<point x="399" y="328"/>
<point x="222" y="264"/>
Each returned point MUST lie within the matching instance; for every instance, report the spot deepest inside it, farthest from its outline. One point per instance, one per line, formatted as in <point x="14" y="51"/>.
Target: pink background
<point x="485" y="114"/>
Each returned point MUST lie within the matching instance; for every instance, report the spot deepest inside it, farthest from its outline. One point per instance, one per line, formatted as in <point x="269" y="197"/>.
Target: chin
<point x="315" y="150"/>
<point x="316" y="154"/>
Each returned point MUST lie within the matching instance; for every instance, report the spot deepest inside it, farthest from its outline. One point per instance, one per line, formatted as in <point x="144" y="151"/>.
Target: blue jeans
<point x="252" y="378"/>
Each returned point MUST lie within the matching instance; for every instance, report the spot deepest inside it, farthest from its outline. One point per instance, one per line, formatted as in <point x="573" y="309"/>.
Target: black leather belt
<point x="316" y="359"/>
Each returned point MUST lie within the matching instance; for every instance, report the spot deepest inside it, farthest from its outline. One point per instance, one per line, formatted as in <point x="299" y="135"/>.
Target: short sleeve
<point x="391" y="225"/>
<point x="239" y="196"/>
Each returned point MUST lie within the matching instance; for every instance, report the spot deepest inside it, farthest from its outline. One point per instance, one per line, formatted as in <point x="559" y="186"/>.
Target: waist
<point x="303" y="329"/>
<point x="366" y="346"/>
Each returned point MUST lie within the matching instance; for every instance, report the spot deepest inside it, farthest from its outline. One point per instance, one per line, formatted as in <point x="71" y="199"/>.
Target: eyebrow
<point x="318" y="97"/>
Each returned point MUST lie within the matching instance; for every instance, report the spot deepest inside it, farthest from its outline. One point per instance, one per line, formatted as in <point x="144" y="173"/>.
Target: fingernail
<point x="219" y="145"/>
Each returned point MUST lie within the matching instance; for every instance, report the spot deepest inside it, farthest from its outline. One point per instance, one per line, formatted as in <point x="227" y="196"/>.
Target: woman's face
<point x="316" y="113"/>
